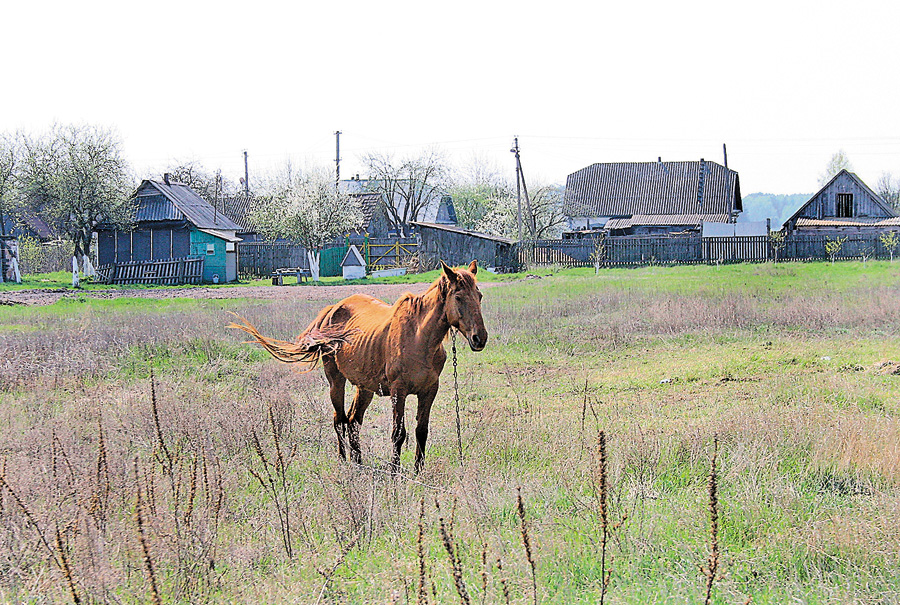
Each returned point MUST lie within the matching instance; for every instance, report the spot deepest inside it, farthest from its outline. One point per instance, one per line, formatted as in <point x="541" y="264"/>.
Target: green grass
<point x="784" y="363"/>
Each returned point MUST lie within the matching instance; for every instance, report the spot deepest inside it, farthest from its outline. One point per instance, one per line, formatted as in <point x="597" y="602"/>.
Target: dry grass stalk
<point x="340" y="560"/>
<point x="422" y="595"/>
<point x="604" y="511"/>
<point x="66" y="568"/>
<point x="28" y="516"/>
<point x="164" y="456"/>
<point x="453" y="554"/>
<point x="145" y="547"/>
<point x="484" y="573"/>
<point x="192" y="494"/>
<point x="712" y="563"/>
<point x="268" y="483"/>
<point x="526" y="541"/>
<point x="503" y="586"/>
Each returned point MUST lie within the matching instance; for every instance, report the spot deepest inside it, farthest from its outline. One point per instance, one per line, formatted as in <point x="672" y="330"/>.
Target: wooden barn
<point x="845" y="205"/>
<point x="650" y="198"/>
<point x="457" y="246"/>
<point x="172" y="221"/>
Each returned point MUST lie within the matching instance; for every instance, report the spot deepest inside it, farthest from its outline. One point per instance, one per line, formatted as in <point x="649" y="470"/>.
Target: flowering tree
<point x="76" y="177"/>
<point x="306" y="208"/>
<point x="890" y="239"/>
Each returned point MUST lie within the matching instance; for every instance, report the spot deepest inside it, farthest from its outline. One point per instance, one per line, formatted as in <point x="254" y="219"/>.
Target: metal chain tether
<point x="456" y="397"/>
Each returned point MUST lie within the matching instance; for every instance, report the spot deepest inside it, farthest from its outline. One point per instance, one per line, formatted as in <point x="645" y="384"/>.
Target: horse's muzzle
<point x="478" y="341"/>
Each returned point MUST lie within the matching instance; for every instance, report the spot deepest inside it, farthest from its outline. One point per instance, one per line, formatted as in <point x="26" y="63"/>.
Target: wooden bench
<point x="300" y="273"/>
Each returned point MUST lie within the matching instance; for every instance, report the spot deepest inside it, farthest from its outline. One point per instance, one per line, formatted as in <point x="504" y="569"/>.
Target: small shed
<point x="173" y="221"/>
<point x="353" y="265"/>
<point x="457" y="246"/>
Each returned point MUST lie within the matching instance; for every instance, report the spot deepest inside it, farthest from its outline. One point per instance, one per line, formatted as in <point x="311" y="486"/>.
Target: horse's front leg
<point x="398" y="433"/>
<point x="337" y="384"/>
<point x="423" y="414"/>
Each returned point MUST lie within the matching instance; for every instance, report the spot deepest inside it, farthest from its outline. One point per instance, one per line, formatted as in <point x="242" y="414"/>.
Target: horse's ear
<point x="450" y="273"/>
<point x="473" y="267"/>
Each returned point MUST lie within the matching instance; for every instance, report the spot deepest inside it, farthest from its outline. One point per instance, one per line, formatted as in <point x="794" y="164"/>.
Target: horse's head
<point x="463" y="305"/>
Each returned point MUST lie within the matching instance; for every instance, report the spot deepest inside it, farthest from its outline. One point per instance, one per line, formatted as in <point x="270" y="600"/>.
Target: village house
<point x="172" y="221"/>
<point x="650" y="198"/>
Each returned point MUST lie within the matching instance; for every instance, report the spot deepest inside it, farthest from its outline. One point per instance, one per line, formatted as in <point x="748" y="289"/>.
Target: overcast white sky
<point x="785" y="84"/>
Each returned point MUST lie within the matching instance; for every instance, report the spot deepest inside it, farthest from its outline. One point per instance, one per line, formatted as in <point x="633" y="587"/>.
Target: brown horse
<point x="394" y="350"/>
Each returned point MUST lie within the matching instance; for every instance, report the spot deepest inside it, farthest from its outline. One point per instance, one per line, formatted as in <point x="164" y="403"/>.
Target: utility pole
<point x="337" y="159"/>
<point x="246" y="176"/>
<point x="520" y="186"/>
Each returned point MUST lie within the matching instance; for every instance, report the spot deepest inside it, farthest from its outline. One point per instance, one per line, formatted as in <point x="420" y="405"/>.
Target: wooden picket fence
<point x="692" y="249"/>
<point x="168" y="272"/>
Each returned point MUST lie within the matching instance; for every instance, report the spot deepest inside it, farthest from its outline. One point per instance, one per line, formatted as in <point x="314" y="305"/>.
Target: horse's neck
<point x="433" y="323"/>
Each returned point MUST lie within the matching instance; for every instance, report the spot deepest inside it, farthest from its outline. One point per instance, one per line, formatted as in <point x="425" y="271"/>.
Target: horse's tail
<point x="314" y="343"/>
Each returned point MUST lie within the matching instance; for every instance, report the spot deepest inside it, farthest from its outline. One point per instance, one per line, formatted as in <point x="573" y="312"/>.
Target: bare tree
<point x="407" y="185"/>
<point x="308" y="210"/>
<point x="10" y="159"/>
<point x="839" y="161"/>
<point x="889" y="189"/>
<point x="76" y="177"/>
<point x="209" y="185"/>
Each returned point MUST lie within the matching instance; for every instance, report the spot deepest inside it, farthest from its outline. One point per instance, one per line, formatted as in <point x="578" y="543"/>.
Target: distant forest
<point x="779" y="208"/>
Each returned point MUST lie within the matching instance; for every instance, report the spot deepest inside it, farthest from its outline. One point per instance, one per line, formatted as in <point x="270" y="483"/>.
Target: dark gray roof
<point x="237" y="207"/>
<point x="174" y="202"/>
<point x="461" y="231"/>
<point x="630" y="188"/>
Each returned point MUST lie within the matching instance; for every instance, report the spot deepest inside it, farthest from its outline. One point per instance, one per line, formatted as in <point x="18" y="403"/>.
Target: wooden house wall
<point x="142" y="244"/>
<point x="460" y="249"/>
<point x="824" y="204"/>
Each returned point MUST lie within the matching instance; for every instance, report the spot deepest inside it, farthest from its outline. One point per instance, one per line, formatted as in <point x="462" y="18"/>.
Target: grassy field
<point x="221" y="473"/>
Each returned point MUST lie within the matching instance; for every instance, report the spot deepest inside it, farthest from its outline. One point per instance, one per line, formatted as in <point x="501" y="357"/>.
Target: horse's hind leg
<point x="337" y="382"/>
<point x="357" y="410"/>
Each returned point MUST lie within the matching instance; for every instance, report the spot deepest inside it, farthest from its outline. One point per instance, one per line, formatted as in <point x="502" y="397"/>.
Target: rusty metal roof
<point x="651" y="188"/>
<point x="849" y="222"/>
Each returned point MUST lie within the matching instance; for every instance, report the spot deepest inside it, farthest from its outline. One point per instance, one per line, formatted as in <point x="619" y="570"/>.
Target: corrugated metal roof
<point x="187" y="206"/>
<point x="848" y="222"/>
<point x="460" y="230"/>
<point x="154" y="206"/>
<point x="677" y="219"/>
<point x="650" y="188"/>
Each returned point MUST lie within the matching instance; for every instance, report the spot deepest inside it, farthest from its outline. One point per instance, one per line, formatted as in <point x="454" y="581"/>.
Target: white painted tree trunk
<point x="75" y="280"/>
<point x="313" y="264"/>
<point x="14" y="263"/>
<point x="87" y="267"/>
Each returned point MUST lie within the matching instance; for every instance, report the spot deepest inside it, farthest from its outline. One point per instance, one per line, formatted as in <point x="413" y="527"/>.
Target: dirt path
<point x="386" y="292"/>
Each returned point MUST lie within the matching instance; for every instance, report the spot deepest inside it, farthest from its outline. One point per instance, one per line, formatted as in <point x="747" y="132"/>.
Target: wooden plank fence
<point x="261" y="259"/>
<point x="646" y="250"/>
<point x="751" y="248"/>
<point x="167" y="272"/>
